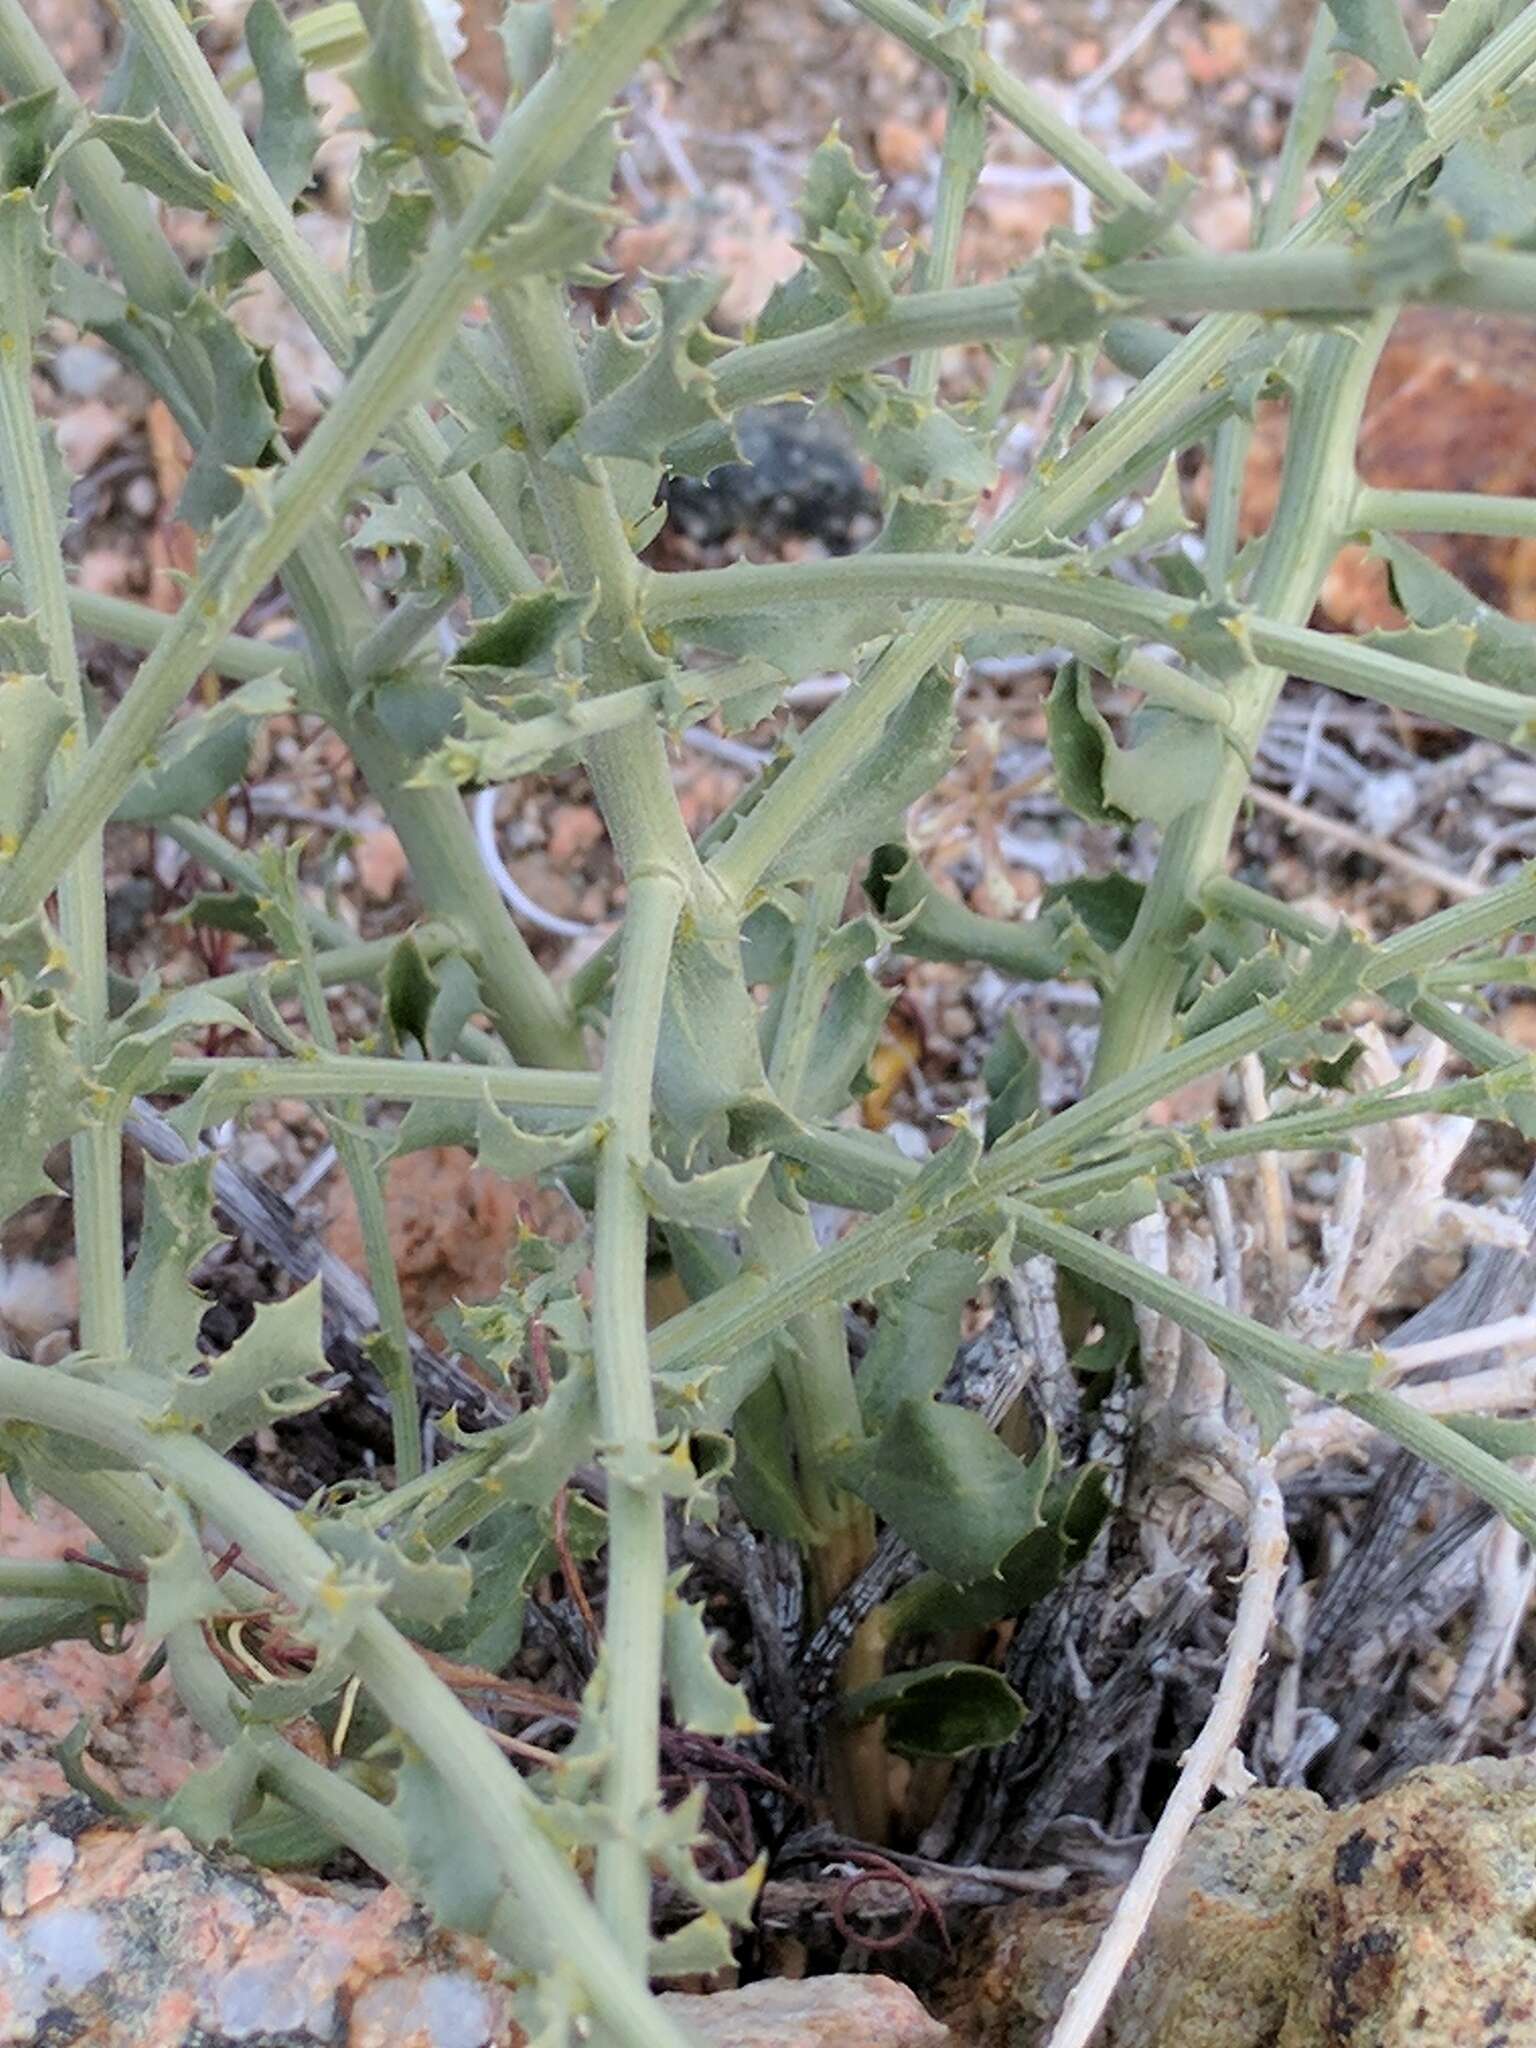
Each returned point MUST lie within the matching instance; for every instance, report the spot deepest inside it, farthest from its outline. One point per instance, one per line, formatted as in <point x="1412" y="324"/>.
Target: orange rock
<point x="1449" y="409"/>
<point x="141" y="1741"/>
<point x="574" y="829"/>
<point x="380" y="861"/>
<point x="1220" y="53"/>
<point x="451" y="1225"/>
<point x="902" y="147"/>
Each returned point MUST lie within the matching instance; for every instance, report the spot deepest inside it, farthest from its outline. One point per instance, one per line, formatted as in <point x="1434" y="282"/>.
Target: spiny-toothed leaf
<point x="209" y="1806"/>
<point x="34" y="719"/>
<point x="418" y="1590"/>
<point x="941" y="1710"/>
<point x="231" y="910"/>
<point x="847" y="1032"/>
<point x="698" y="1948"/>
<point x="671" y="1837"/>
<point x="933" y="926"/>
<point x="456" y="1001"/>
<point x="1411" y="258"/>
<point x="392" y="216"/>
<point x="1134" y="1198"/>
<point x="26" y="262"/>
<point x="1080" y="741"/>
<point x="1262" y="974"/>
<point x="708" y="1057"/>
<point x="1502" y="650"/>
<point x="1172" y="765"/>
<point x="151" y="156"/>
<point x="1333" y="974"/>
<point x="503" y="1147"/>
<point x="34" y="966"/>
<point x="454" y="1867"/>
<point x="404" y="83"/>
<point x="46" y="1096"/>
<point x="26" y="129"/>
<point x="705" y="1201"/>
<point x="1011" y="1071"/>
<point x="1462" y="28"/>
<point x="563" y="236"/>
<point x="915" y="444"/>
<point x="1124" y="232"/>
<point x="703" y="1699"/>
<point x="1484" y="181"/>
<point x="526" y="635"/>
<point x="951" y="1171"/>
<point x="288" y="133"/>
<point x="908" y="756"/>
<point x="246" y="405"/>
<point x="408" y="991"/>
<point x="266" y="1374"/>
<point x="670" y="393"/>
<point x="1449" y="647"/>
<point x="165" y="1312"/>
<point x="552" y="2008"/>
<point x="1076" y="1509"/>
<point x="1264" y="1395"/>
<point x="1215" y="635"/>
<point x="796" y="305"/>
<point x="546" y="1445"/>
<point x="1100" y="909"/>
<point x="144" y="1038"/>
<point x="798" y="639"/>
<point x="1062" y="303"/>
<point x="1375" y="30"/>
<point x="948" y="1486"/>
<point x="404" y="525"/>
<point x="1160" y="519"/>
<point x="181" y="1587"/>
<point x="202" y="756"/>
<point x="763" y="1484"/>
<point x="842" y="233"/>
<point x="918" y="1333"/>
<point x="527" y="32"/>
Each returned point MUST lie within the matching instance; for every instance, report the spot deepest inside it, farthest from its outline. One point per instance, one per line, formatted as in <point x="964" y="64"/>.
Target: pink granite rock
<point x="813" y="2012"/>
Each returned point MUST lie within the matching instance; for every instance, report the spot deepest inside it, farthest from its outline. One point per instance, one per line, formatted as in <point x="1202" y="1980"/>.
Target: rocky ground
<point x="1385" y="1659"/>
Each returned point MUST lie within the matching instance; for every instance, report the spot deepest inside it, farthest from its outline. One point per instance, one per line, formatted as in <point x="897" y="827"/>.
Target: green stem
<point x="491" y="1802"/>
<point x="746" y="1311"/>
<point x="366" y="1174"/>
<point x="96" y="1152"/>
<point x="637" y="1545"/>
<point x="361" y="960"/>
<point x="1117" y="444"/>
<point x="268" y="225"/>
<point x="1309" y="523"/>
<point x="529" y="1012"/>
<point x="1030" y="112"/>
<point x="130" y="624"/>
<point x="1445" y="512"/>
<point x="547" y="124"/>
<point x="1060" y="595"/>
<point x="357" y="1076"/>
<point x="965" y="143"/>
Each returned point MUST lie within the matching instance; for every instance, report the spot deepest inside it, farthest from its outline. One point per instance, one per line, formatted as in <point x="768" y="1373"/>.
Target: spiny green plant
<point x="689" y="1083"/>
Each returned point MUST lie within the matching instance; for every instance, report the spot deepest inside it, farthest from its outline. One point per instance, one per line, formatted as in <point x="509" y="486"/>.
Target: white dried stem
<point x="1205" y="1760"/>
<point x="1330" y="1432"/>
<point x="1274" y="1183"/>
<point x="1507" y="1573"/>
